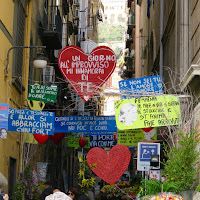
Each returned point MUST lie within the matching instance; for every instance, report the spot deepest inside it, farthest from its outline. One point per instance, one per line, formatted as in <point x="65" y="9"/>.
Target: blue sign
<point x="85" y="124"/>
<point x="31" y="121"/>
<point x="102" y="141"/>
<point x="146" y="150"/>
<point x="141" y="86"/>
<point x="4" y="107"/>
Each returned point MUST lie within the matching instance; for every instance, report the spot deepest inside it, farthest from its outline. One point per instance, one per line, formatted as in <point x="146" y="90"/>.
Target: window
<point x="19" y="21"/>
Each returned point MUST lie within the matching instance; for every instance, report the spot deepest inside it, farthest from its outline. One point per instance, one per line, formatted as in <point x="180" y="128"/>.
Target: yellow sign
<point x="29" y="138"/>
<point x="132" y="137"/>
<point x="144" y="112"/>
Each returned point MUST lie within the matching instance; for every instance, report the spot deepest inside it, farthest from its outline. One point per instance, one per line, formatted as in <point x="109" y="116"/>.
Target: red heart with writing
<point x="109" y="167"/>
<point x="86" y="73"/>
<point x="147" y="129"/>
<point x="41" y="139"/>
<point x="57" y="137"/>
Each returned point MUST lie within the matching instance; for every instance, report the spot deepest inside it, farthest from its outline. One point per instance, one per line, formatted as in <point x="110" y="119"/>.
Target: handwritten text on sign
<point x="86" y="74"/>
<point x="43" y="93"/>
<point x="30" y="121"/>
<point x="73" y="141"/>
<point x="141" y="86"/>
<point x="85" y="124"/>
<point x="133" y="136"/>
<point x="102" y="141"/>
<point x="147" y="112"/>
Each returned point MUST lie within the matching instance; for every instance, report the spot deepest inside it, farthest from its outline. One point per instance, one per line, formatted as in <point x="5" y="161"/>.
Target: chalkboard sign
<point x="31" y="121"/>
<point x="85" y="124"/>
<point x="102" y="141"/>
<point x="141" y="86"/>
<point x="43" y="93"/>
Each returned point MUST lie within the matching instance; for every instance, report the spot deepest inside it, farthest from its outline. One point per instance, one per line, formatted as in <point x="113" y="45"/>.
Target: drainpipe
<point x="161" y="35"/>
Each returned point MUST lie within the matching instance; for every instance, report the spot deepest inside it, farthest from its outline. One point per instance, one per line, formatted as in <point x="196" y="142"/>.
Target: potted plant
<point x="182" y="164"/>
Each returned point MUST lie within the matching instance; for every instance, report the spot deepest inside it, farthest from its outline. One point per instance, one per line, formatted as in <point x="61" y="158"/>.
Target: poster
<point x="144" y="112"/>
<point x="133" y="136"/>
<point x="43" y="93"/>
<point x="29" y="138"/>
<point x="30" y="121"/>
<point x="141" y="86"/>
<point x="145" y="150"/>
<point x="4" y="107"/>
<point x="86" y="73"/>
<point x="102" y="141"/>
<point x="73" y="141"/>
<point x="42" y="170"/>
<point x="85" y="124"/>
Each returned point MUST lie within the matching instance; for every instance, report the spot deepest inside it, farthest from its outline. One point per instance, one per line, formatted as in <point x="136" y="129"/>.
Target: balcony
<point x="52" y="33"/>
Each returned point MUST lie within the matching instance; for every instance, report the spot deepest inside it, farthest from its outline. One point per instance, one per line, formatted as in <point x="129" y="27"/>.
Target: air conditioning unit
<point x="76" y="3"/>
<point x="48" y="75"/>
<point x="76" y="14"/>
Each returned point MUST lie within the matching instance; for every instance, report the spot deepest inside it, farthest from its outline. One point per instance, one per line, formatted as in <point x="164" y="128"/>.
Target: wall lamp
<point x="40" y="62"/>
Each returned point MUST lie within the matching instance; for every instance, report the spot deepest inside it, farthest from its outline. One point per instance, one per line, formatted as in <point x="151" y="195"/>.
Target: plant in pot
<point x="181" y="166"/>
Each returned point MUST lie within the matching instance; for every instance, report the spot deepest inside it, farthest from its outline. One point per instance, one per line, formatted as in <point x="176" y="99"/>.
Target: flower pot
<point x="187" y="195"/>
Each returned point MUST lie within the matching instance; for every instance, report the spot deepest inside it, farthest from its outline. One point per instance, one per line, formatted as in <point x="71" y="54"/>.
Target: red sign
<point x="86" y="73"/>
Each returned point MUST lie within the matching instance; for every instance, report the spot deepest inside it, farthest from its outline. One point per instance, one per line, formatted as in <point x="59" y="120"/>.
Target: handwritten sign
<point x="102" y="141"/>
<point x="140" y="86"/>
<point x="73" y="141"/>
<point x="86" y="73"/>
<point x="85" y="124"/>
<point x="43" y="93"/>
<point x="30" y="121"/>
<point x="144" y="112"/>
<point x="132" y="137"/>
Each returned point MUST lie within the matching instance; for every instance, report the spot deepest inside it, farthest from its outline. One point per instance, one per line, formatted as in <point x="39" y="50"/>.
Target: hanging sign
<point x="133" y="136"/>
<point x="73" y="141"/>
<point x="4" y="107"/>
<point x="30" y="121"/>
<point x="86" y="73"/>
<point x="141" y="86"/>
<point x="85" y="124"/>
<point x="102" y="141"/>
<point x="144" y="112"/>
<point x="43" y="93"/>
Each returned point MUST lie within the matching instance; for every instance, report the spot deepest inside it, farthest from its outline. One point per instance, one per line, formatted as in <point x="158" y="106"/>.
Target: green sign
<point x="144" y="112"/>
<point x="132" y="137"/>
<point x="43" y="93"/>
<point x="73" y="141"/>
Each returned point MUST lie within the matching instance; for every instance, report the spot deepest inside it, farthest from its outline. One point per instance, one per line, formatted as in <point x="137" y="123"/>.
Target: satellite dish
<point x="88" y="45"/>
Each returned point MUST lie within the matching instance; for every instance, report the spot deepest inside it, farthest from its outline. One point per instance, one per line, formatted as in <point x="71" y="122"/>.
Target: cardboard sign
<point x="85" y="124"/>
<point x="43" y="93"/>
<point x="132" y="137"/>
<point x="86" y="73"/>
<point x="30" y="121"/>
<point x="145" y="150"/>
<point x="102" y="141"/>
<point x="141" y="86"/>
<point x="144" y="112"/>
<point x="73" y="141"/>
<point x="4" y="107"/>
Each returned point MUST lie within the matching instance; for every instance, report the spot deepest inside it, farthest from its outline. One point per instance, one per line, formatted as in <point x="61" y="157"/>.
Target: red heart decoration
<point x="57" y="137"/>
<point x="109" y="167"/>
<point x="82" y="142"/>
<point x="147" y="129"/>
<point x="86" y="73"/>
<point x="41" y="139"/>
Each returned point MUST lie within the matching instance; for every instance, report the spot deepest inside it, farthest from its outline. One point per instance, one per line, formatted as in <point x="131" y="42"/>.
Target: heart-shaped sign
<point x="86" y="73"/>
<point x="57" y="137"/>
<point x="147" y="129"/>
<point x="41" y="139"/>
<point x="109" y="167"/>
